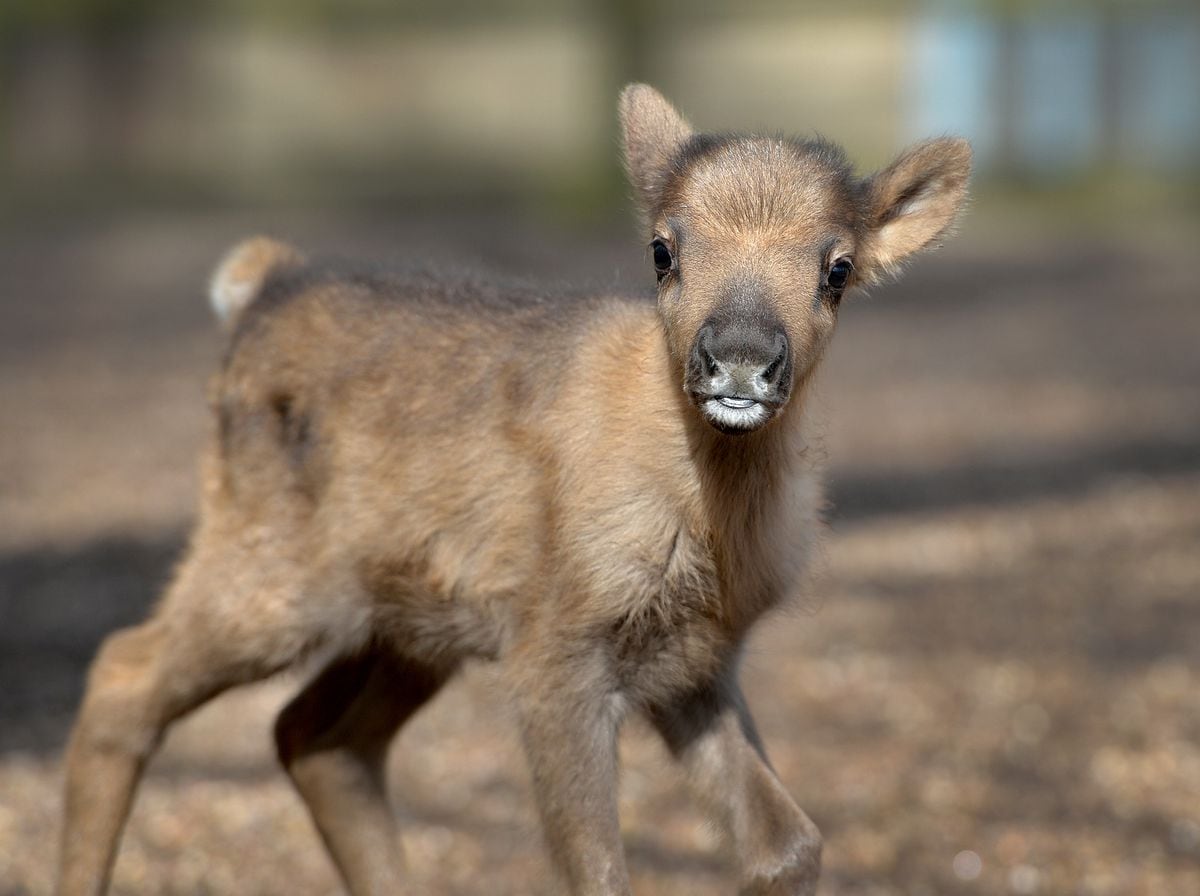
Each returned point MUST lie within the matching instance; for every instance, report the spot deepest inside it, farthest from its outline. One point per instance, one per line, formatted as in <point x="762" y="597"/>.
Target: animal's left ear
<point x="911" y="203"/>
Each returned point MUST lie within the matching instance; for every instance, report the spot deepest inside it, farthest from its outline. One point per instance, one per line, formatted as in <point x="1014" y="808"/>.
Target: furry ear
<point x="912" y="202"/>
<point x="652" y="132"/>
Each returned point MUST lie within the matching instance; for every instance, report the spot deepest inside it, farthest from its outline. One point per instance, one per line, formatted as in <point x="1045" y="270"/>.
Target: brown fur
<point x="406" y="474"/>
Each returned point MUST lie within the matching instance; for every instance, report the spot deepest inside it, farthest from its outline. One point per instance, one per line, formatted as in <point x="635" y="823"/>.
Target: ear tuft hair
<point x="652" y="132"/>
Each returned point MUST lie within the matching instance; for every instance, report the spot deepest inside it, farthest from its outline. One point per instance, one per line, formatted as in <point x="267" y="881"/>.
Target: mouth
<point x="734" y="415"/>
<point x="736" y="403"/>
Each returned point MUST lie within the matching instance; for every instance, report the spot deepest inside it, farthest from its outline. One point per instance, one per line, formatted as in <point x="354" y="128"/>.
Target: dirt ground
<point x="993" y="687"/>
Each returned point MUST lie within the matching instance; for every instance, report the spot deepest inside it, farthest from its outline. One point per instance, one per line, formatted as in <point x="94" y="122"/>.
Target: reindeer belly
<point x="450" y="599"/>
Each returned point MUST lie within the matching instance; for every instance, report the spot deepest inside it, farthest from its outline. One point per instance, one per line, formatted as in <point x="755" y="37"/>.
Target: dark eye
<point x="839" y="273"/>
<point x="662" y="258"/>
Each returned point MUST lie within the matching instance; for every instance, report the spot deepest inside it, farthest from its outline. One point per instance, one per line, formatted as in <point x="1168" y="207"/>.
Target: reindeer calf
<point x="602" y="497"/>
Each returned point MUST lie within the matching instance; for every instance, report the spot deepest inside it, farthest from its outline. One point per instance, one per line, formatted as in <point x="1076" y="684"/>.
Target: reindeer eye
<point x="839" y="273"/>
<point x="662" y="258"/>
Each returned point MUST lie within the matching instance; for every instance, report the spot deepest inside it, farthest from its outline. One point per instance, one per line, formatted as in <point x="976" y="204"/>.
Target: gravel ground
<point x="993" y="688"/>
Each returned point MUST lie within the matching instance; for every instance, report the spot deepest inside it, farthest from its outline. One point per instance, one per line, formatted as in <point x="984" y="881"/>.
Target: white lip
<point x="736" y="413"/>
<point x="737" y="403"/>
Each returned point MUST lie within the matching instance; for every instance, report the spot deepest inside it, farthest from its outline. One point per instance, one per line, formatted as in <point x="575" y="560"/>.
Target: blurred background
<point x="993" y="687"/>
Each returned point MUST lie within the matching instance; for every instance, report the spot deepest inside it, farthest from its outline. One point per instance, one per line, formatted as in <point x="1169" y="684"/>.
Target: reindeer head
<point x="756" y="239"/>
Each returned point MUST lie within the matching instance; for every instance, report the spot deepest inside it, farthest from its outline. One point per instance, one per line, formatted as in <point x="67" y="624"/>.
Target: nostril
<point x="708" y="360"/>
<point x="772" y="370"/>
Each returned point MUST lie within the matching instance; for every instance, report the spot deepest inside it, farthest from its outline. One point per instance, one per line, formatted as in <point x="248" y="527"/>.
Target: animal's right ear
<point x="652" y="132"/>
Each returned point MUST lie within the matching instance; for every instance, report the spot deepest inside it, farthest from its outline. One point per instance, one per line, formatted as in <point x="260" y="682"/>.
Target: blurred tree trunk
<point x="73" y="80"/>
<point x="1111" y="52"/>
<point x="627" y="27"/>
<point x="630" y="25"/>
<point x="114" y="69"/>
<point x="1008" y="90"/>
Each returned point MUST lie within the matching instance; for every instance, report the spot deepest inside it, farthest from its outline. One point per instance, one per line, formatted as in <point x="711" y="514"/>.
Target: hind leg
<point x="227" y="619"/>
<point x="333" y="740"/>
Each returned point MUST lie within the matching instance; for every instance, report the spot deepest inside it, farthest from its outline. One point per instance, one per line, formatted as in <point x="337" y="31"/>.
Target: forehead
<point x="737" y="184"/>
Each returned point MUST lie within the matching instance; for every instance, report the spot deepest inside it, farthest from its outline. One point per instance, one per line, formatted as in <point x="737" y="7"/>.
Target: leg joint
<point x="793" y="872"/>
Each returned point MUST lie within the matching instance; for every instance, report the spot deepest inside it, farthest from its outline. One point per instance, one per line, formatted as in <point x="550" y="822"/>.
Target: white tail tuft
<point x="241" y="274"/>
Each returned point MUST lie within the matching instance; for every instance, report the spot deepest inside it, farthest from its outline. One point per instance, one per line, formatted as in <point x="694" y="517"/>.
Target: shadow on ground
<point x="59" y="603"/>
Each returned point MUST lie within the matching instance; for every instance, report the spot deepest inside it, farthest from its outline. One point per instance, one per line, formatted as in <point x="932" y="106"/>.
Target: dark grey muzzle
<point x="739" y="374"/>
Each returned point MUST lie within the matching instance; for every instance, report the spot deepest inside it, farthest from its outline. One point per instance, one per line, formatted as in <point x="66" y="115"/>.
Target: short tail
<point x="241" y="274"/>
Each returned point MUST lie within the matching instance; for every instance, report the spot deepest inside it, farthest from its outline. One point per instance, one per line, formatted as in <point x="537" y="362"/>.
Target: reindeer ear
<point x="652" y="132"/>
<point x="912" y="202"/>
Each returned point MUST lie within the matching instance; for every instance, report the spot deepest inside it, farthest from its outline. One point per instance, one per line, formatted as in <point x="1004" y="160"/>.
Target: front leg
<point x="569" y="717"/>
<point x="777" y="846"/>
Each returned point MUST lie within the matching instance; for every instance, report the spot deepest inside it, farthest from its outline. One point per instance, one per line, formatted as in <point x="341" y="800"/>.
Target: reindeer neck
<point x="739" y="475"/>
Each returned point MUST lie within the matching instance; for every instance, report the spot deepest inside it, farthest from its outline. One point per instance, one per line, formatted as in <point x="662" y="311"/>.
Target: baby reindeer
<point x="600" y="496"/>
